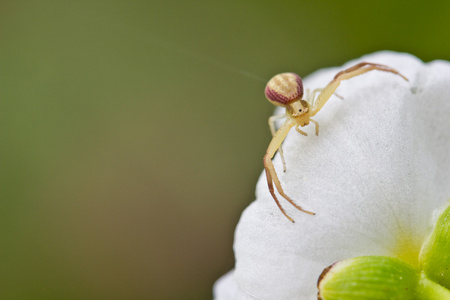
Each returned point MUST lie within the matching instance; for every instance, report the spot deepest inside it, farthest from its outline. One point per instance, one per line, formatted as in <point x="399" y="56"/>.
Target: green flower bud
<point x="435" y="255"/>
<point x="368" y="277"/>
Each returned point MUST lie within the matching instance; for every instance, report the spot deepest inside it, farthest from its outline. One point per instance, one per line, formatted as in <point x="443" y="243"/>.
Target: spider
<point x="286" y="90"/>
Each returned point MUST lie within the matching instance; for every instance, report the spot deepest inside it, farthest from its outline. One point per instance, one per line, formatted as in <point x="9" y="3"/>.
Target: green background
<point x="132" y="132"/>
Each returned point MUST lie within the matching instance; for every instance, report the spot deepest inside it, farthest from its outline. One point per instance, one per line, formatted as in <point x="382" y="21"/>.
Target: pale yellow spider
<point x="286" y="90"/>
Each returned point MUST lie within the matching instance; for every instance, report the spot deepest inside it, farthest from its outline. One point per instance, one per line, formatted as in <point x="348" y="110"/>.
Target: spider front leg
<point x="344" y="75"/>
<point x="271" y="175"/>
<point x="272" y="121"/>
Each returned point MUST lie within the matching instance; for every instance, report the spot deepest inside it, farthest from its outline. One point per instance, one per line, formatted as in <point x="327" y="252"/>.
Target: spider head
<point x="298" y="108"/>
<point x="284" y="89"/>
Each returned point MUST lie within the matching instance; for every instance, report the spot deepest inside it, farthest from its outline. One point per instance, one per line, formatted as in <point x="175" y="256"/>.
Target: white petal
<point x="373" y="176"/>
<point x="226" y="288"/>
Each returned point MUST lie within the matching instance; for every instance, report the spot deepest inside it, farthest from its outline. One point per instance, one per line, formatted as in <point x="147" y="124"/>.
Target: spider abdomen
<point x="284" y="88"/>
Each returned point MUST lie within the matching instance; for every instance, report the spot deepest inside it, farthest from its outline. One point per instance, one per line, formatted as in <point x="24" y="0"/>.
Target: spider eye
<point x="300" y="110"/>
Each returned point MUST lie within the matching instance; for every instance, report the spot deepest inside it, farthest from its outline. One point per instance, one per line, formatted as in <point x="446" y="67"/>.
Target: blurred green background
<point x="132" y="132"/>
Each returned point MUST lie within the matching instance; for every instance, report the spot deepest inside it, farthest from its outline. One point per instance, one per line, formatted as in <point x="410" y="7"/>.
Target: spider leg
<point x="271" y="174"/>
<point x="300" y="131"/>
<point x="272" y="121"/>
<point x="307" y="94"/>
<point x="270" y="185"/>
<point x="310" y="97"/>
<point x="317" y="126"/>
<point x="344" y="75"/>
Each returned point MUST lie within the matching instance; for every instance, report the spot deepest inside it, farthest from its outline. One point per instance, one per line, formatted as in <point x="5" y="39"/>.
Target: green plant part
<point x="380" y="277"/>
<point x="434" y="257"/>
<point x="368" y="277"/>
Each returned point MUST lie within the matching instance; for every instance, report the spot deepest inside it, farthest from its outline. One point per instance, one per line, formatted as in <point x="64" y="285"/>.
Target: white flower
<point x="374" y="175"/>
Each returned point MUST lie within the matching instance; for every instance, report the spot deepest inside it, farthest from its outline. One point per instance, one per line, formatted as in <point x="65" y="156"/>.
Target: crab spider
<point x="286" y="90"/>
